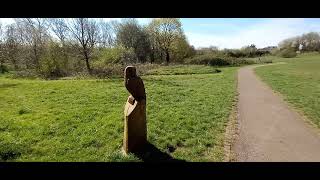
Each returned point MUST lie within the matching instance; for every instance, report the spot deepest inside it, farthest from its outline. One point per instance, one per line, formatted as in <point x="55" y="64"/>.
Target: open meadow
<point x="82" y="120"/>
<point x="159" y="90"/>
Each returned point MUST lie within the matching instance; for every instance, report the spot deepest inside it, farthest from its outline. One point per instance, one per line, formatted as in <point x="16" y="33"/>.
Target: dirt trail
<point x="268" y="129"/>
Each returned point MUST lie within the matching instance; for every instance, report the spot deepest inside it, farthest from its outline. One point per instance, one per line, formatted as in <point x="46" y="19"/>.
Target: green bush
<point x="116" y="70"/>
<point x="262" y="60"/>
<point x="10" y="150"/>
<point x="240" y="61"/>
<point x="114" y="55"/>
<point x="209" y="59"/>
<point x="29" y="74"/>
<point x="216" y="60"/>
<point x="108" y="70"/>
<point x="3" y="69"/>
<point x="275" y="52"/>
<point x="287" y="53"/>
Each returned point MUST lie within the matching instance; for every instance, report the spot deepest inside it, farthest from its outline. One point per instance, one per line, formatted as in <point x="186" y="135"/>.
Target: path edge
<point x="232" y="127"/>
<point x="310" y="124"/>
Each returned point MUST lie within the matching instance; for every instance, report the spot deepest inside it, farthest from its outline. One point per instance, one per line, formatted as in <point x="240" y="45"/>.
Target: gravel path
<point x="268" y="129"/>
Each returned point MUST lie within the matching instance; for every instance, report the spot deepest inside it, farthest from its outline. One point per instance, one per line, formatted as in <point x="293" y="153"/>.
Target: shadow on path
<point x="151" y="153"/>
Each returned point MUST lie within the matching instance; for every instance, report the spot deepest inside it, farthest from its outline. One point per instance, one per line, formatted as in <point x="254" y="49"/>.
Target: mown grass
<point x="298" y="80"/>
<point x="182" y="69"/>
<point x="82" y="120"/>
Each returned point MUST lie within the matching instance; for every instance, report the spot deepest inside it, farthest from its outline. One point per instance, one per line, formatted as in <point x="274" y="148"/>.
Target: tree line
<point x="306" y="42"/>
<point x="62" y="46"/>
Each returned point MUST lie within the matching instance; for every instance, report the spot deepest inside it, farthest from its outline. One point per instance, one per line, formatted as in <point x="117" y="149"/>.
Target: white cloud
<point x="144" y="21"/>
<point x="111" y="19"/>
<point x="267" y="33"/>
<point x="5" y="21"/>
<point x="226" y="25"/>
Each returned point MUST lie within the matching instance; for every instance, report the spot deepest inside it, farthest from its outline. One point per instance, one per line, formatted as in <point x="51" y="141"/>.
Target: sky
<point x="237" y="32"/>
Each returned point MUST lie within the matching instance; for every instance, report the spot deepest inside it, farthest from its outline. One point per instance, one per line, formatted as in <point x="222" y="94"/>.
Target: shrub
<point x="263" y="59"/>
<point x="115" y="55"/>
<point x="217" y="60"/>
<point x="10" y="150"/>
<point x="3" y="69"/>
<point x="240" y="61"/>
<point x="209" y="59"/>
<point x="109" y="70"/>
<point x="288" y="53"/>
<point x="30" y="74"/>
<point x="116" y="70"/>
<point x="143" y="69"/>
<point x="51" y="72"/>
<point x="53" y="62"/>
<point x="275" y="51"/>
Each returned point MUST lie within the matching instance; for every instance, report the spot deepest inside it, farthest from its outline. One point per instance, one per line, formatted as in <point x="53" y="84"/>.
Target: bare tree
<point x="2" y="57"/>
<point x="12" y="45"/>
<point x="106" y="38"/>
<point x="33" y="32"/>
<point x="59" y="28"/>
<point x="85" y="34"/>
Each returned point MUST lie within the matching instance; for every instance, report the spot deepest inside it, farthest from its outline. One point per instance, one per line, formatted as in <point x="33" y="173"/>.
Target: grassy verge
<point x="298" y="80"/>
<point x="183" y="69"/>
<point x="82" y="120"/>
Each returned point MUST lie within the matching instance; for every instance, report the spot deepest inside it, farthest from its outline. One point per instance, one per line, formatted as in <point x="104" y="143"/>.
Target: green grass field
<point x="298" y="81"/>
<point x="82" y="120"/>
<point x="182" y="69"/>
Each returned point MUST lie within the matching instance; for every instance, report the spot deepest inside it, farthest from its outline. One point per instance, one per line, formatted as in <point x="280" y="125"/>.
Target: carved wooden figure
<point x="135" y="127"/>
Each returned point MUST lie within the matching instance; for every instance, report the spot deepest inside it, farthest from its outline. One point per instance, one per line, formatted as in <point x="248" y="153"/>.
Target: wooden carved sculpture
<point x="135" y="127"/>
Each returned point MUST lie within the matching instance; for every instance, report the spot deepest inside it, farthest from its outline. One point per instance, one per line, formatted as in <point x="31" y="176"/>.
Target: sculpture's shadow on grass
<point x="151" y="153"/>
